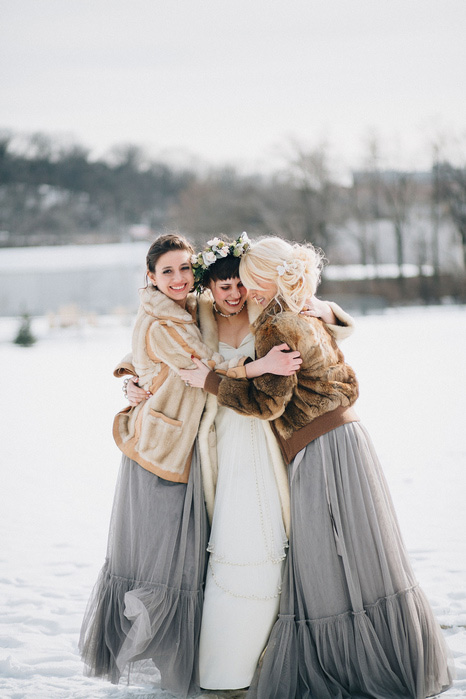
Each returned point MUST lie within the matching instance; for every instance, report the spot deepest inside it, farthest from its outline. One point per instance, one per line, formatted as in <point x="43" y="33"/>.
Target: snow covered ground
<point x="59" y="466"/>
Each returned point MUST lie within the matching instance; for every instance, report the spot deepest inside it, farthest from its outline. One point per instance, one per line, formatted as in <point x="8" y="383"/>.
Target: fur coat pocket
<point x="160" y="436"/>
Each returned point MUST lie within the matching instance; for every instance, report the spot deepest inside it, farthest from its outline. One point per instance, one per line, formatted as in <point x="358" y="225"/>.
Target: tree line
<point x="55" y="194"/>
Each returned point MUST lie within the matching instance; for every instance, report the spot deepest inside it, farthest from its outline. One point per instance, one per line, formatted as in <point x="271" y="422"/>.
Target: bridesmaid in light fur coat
<point x="145" y="611"/>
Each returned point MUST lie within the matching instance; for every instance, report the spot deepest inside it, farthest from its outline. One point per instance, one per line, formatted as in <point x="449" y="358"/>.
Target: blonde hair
<point x="294" y="268"/>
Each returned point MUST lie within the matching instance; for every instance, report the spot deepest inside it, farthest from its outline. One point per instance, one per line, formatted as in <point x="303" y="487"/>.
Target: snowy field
<point x="59" y="468"/>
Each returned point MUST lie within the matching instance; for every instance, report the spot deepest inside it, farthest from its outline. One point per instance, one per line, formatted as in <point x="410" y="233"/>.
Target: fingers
<point x="293" y="356"/>
<point x="136" y="391"/>
<point x="189" y="376"/>
<point x="295" y="363"/>
<point x="197" y="362"/>
<point x="136" y="394"/>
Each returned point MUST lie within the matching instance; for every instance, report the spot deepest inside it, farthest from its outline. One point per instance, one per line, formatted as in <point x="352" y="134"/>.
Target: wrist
<point x="330" y="319"/>
<point x="255" y="368"/>
<point x="327" y="315"/>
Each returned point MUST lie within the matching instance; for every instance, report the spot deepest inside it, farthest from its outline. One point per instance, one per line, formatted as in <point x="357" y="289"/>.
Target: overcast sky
<point x="234" y="81"/>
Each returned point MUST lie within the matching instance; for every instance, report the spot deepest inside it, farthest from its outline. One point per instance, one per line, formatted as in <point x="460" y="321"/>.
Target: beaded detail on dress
<point x="247" y="530"/>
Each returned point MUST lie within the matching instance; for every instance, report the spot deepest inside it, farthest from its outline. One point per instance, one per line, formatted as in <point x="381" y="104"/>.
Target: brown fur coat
<point x="324" y="382"/>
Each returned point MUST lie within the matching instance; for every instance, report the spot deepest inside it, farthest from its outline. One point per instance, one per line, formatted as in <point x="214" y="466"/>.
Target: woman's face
<point x="174" y="275"/>
<point x="229" y="294"/>
<point x="264" y="295"/>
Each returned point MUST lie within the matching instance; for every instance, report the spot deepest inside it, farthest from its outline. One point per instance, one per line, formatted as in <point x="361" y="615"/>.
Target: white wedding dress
<point x="247" y="548"/>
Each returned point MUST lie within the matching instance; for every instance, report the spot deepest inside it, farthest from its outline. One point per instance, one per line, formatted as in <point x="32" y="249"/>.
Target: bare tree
<point x="365" y="203"/>
<point x="221" y="202"/>
<point x="396" y="195"/>
<point x="452" y="189"/>
<point x="317" y="192"/>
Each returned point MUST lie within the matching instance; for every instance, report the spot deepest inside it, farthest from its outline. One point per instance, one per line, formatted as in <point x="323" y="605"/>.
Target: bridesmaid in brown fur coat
<point x="353" y="622"/>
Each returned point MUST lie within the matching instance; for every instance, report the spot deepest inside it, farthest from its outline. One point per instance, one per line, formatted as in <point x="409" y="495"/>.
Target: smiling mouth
<point x="233" y="303"/>
<point x="178" y="288"/>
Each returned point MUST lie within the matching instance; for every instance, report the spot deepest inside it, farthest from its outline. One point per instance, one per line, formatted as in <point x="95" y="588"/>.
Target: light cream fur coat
<point x="159" y="433"/>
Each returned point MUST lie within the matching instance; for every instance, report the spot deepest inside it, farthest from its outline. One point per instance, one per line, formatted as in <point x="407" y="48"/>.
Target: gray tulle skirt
<point x="353" y="621"/>
<point x="144" y="614"/>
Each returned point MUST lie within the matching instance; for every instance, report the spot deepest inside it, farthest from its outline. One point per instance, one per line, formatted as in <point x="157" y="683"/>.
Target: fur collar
<point x="207" y="322"/>
<point x="160" y="306"/>
<point x="273" y="309"/>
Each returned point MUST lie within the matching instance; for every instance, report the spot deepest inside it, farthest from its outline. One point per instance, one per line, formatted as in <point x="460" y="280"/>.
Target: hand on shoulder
<point x="319" y="309"/>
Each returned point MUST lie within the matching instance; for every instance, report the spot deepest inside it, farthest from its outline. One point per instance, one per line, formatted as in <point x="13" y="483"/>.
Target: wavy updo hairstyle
<point x="294" y="268"/>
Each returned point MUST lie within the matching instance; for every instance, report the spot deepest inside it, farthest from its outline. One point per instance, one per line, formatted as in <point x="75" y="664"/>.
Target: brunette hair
<point x="166" y="243"/>
<point x="223" y="268"/>
<point x="294" y="268"/>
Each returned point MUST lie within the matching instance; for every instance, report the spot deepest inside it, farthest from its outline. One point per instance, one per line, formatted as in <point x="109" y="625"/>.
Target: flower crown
<point x="214" y="250"/>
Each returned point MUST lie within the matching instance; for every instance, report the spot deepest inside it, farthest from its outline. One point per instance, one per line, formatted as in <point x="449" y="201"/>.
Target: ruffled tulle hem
<point x="129" y="621"/>
<point x="392" y="649"/>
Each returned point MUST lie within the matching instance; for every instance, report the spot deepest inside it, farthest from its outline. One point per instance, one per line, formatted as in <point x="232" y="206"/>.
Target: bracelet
<point x="124" y="388"/>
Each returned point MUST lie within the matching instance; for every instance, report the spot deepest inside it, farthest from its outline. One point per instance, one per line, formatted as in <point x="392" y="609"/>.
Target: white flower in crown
<point x="219" y="247"/>
<point x="209" y="257"/>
